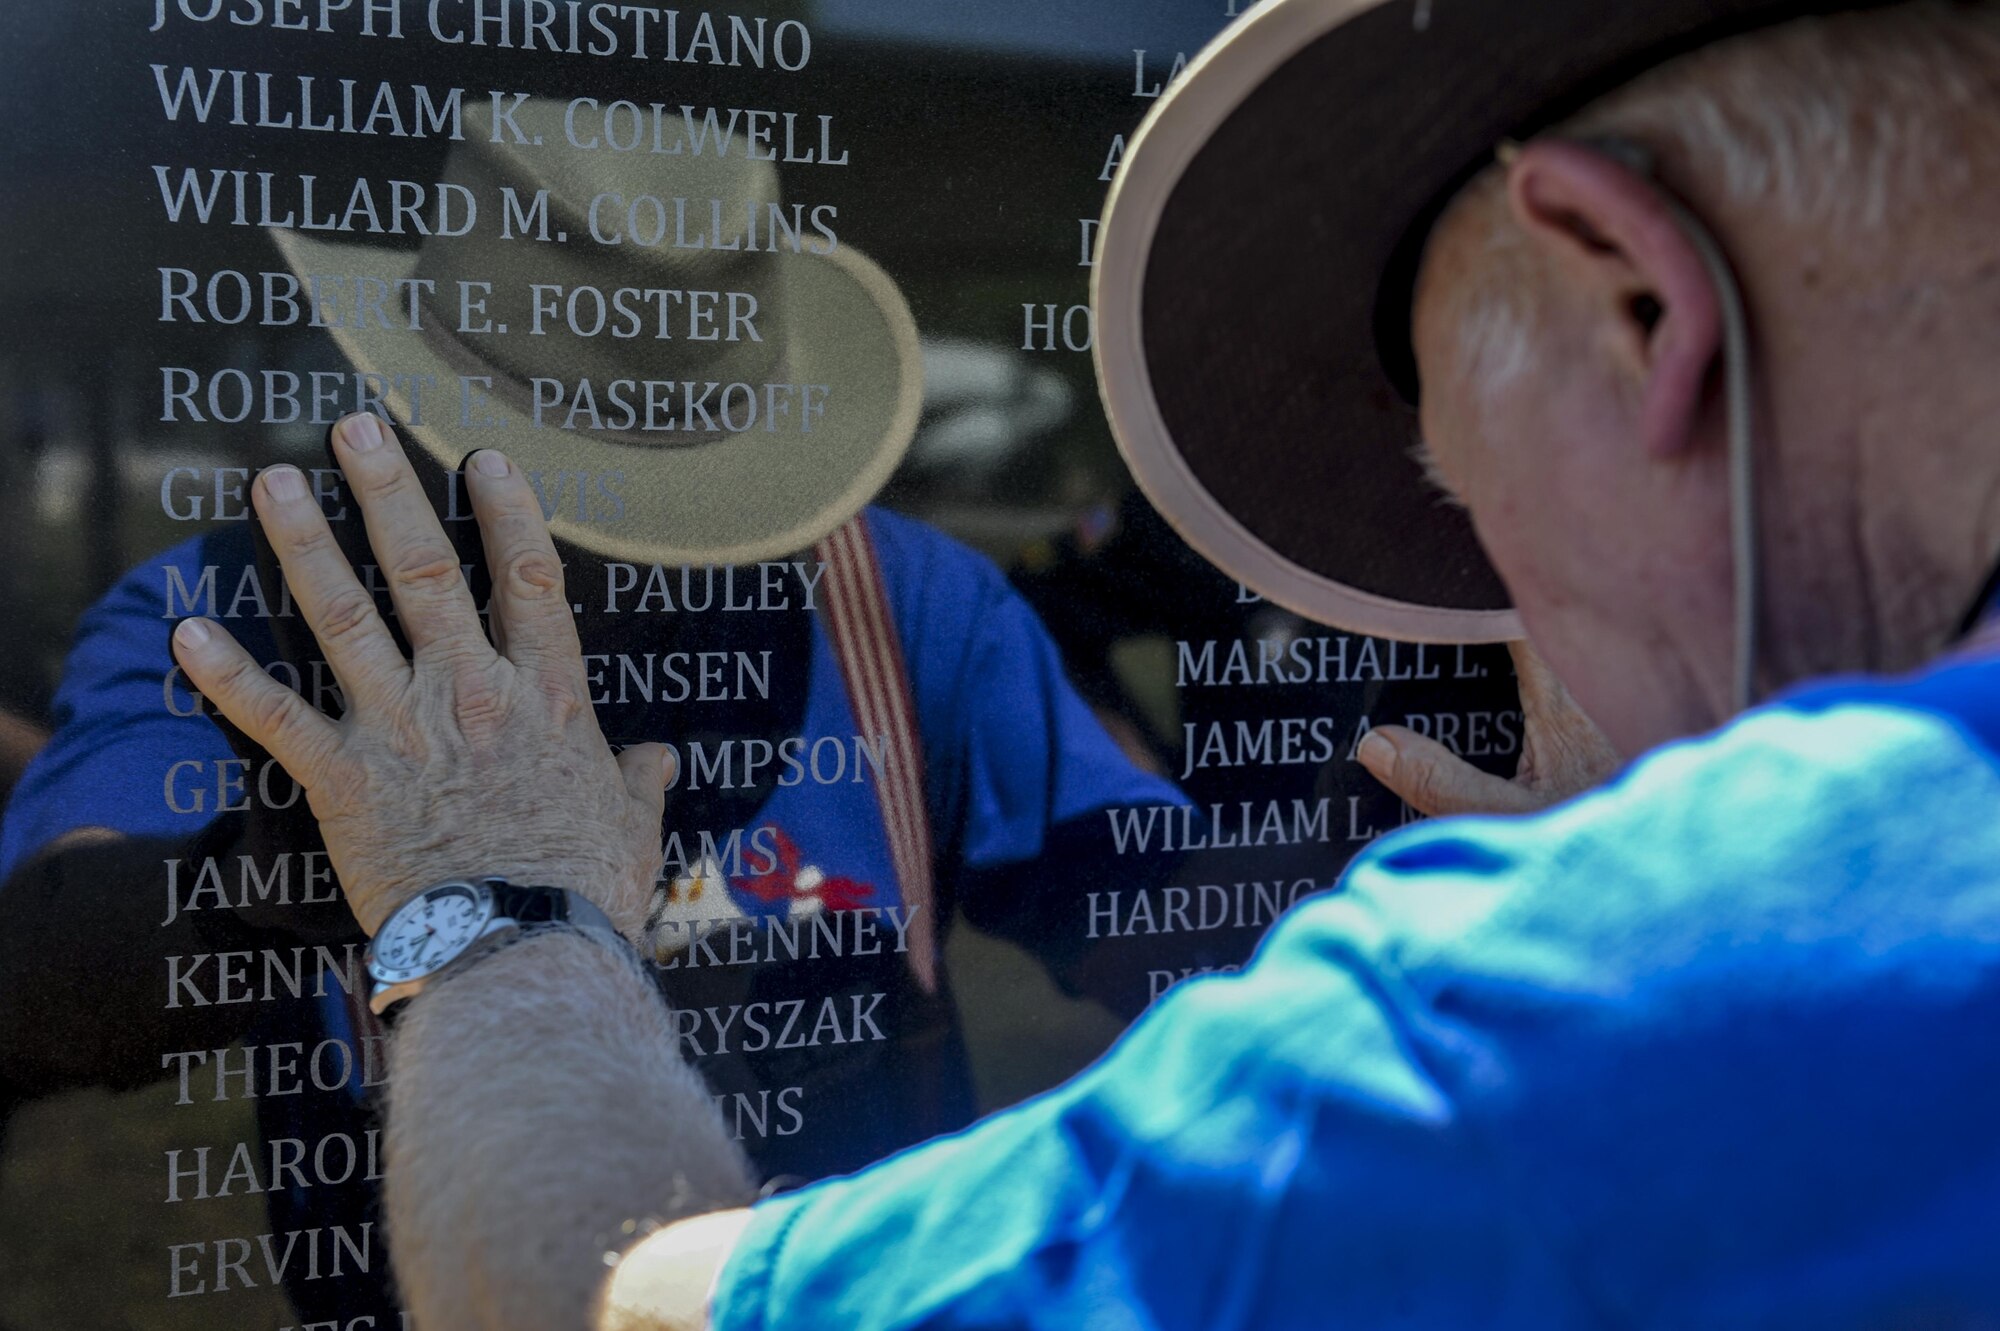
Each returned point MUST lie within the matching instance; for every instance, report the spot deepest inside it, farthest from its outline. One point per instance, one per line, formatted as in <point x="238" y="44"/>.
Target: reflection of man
<point x="1711" y="1047"/>
<point x="876" y="739"/>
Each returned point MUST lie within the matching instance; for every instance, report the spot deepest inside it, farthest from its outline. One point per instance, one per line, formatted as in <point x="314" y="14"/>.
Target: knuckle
<point x="564" y="700"/>
<point x="240" y="679"/>
<point x="276" y="712"/>
<point x="481" y="704"/>
<point x="386" y="483"/>
<point x="304" y="538"/>
<point x="1422" y="785"/>
<point x="345" y="614"/>
<point x="427" y="567"/>
<point x="534" y="573"/>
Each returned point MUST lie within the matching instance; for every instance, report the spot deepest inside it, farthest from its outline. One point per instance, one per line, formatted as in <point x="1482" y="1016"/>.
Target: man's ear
<point x="1611" y="230"/>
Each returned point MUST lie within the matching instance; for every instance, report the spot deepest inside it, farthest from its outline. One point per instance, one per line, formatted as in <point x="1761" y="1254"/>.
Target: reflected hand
<point x="1563" y="753"/>
<point x="464" y="760"/>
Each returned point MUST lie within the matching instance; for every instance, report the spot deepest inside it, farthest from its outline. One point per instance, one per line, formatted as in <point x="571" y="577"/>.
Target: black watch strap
<point x="528" y="903"/>
<point x="531" y="904"/>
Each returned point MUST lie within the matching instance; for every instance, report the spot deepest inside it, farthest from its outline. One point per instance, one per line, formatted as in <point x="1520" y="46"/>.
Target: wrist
<point x="450" y="926"/>
<point x="376" y="897"/>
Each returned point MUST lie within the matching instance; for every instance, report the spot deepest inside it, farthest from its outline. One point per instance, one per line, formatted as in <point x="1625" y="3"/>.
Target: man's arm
<point x="537" y="1105"/>
<point x="1627" y="1061"/>
<point x="542" y="1122"/>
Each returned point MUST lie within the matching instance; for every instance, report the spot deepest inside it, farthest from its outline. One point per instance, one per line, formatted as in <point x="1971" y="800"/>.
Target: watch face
<point x="430" y="930"/>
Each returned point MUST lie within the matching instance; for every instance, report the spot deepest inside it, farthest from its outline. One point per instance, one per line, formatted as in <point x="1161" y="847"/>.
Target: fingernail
<point x="1376" y="752"/>
<point x="191" y="633"/>
<point x="361" y="432"/>
<point x="490" y="462"/>
<point x="285" y="483"/>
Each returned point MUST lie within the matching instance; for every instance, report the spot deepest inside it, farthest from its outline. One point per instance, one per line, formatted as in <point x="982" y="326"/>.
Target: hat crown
<point x="746" y="432"/>
<point x="649" y="264"/>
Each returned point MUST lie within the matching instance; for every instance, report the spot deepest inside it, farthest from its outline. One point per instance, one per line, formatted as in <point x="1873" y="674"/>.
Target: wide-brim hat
<point x="746" y="449"/>
<point x="1256" y="263"/>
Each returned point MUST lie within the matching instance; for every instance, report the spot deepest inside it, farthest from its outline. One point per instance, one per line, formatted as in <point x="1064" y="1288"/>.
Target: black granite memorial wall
<point x="589" y="233"/>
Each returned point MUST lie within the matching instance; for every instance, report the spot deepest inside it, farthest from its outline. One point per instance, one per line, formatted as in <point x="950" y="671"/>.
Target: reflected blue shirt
<point x="1011" y="751"/>
<point x="1717" y="1046"/>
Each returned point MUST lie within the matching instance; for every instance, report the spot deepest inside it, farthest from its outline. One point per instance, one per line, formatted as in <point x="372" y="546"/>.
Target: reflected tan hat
<point x="1256" y="263"/>
<point x="739" y="454"/>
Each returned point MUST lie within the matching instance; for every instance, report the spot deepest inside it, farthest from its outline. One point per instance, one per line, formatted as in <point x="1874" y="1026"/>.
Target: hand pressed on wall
<point x="470" y="757"/>
<point x="1563" y="753"/>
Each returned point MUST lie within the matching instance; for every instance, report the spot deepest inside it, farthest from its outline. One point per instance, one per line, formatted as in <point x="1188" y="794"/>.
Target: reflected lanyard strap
<point x="862" y="628"/>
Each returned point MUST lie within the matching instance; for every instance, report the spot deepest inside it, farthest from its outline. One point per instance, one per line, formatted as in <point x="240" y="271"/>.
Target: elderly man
<point x="1712" y="1046"/>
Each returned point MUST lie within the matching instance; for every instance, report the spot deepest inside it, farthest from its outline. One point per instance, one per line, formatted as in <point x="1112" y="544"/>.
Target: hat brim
<point x="1254" y="267"/>
<point x="733" y="498"/>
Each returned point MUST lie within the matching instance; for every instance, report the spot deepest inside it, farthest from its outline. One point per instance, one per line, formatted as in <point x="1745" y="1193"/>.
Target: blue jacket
<point x="1717" y="1046"/>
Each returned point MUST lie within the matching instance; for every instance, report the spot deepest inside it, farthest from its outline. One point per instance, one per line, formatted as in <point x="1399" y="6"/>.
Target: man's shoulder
<point x="1962" y="692"/>
<point x="1814" y="773"/>
<point x="940" y="590"/>
<point x="918" y="558"/>
<point x="1854" y="812"/>
<point x="1839" y="780"/>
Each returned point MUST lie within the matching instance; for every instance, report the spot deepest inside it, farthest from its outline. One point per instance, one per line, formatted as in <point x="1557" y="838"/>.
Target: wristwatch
<point x="450" y="925"/>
